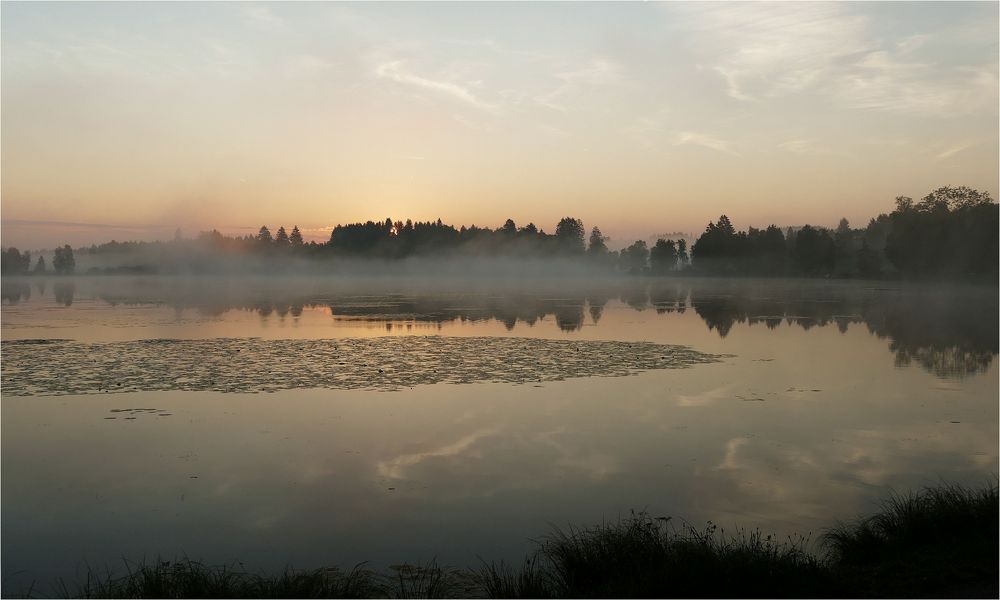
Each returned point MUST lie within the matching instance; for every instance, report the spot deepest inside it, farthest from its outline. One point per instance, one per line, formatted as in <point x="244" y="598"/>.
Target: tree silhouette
<point x="281" y="238"/>
<point x="663" y="257"/>
<point x="814" y="251"/>
<point x="14" y="262"/>
<point x="264" y="236"/>
<point x="716" y="248"/>
<point x="598" y="243"/>
<point x="63" y="262"/>
<point x="634" y="258"/>
<point x="846" y="252"/>
<point x="725" y="226"/>
<point x="40" y="266"/>
<point x="869" y="264"/>
<point x="509" y="229"/>
<point x="570" y="235"/>
<point x="951" y="231"/>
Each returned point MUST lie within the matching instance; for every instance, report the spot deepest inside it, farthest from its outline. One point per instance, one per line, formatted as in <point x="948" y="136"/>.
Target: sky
<point x="130" y="120"/>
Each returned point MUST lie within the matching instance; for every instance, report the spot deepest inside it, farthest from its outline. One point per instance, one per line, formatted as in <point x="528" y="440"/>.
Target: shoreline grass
<point x="938" y="542"/>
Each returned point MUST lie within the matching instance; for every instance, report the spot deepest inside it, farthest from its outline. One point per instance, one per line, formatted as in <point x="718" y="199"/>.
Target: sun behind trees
<point x="950" y="233"/>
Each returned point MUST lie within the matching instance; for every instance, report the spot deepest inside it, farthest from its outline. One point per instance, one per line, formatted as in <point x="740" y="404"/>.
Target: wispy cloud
<point x="767" y="51"/>
<point x="948" y="153"/>
<point x="260" y="16"/>
<point x="397" y="467"/>
<point x="306" y="65"/>
<point x="809" y="146"/>
<point x="474" y="124"/>
<point x="395" y="71"/>
<point x="44" y="223"/>
<point x="890" y="89"/>
<point x="798" y="146"/>
<point x="648" y="130"/>
<point x="596" y="72"/>
<point x="705" y="141"/>
<point x="733" y="87"/>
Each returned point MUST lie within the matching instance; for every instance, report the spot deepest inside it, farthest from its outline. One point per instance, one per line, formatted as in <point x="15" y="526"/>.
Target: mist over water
<point x="947" y="329"/>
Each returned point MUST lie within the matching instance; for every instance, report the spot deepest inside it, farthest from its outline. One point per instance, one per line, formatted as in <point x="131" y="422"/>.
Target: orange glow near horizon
<point x="128" y="121"/>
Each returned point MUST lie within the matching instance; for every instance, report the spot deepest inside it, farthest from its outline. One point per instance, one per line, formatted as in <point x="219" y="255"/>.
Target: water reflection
<point x="15" y="292"/>
<point x="64" y="291"/>
<point x="807" y="423"/>
<point x="950" y="332"/>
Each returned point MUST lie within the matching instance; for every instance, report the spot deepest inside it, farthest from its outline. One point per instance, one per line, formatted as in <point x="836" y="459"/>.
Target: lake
<point x="294" y="421"/>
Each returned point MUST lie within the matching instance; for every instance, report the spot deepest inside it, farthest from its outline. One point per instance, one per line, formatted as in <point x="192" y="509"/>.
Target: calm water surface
<point x="830" y="395"/>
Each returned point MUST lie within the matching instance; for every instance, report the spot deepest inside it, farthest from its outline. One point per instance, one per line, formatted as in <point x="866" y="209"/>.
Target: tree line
<point x="15" y="262"/>
<point x="950" y="232"/>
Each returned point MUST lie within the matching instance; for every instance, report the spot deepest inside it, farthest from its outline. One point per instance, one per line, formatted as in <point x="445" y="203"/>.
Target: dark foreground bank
<point x="940" y="542"/>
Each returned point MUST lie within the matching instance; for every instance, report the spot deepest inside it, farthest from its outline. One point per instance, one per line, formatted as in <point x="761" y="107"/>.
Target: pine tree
<point x="281" y="239"/>
<point x="264" y="235"/>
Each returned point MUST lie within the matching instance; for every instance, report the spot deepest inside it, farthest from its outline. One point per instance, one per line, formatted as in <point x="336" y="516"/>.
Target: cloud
<point x="306" y="65"/>
<point x="769" y="51"/>
<point x="43" y="223"/>
<point x="766" y="50"/>
<point x="706" y="141"/>
<point x="730" y="460"/>
<point x="891" y="88"/>
<point x="797" y="146"/>
<point x="648" y="130"/>
<point x="805" y="146"/>
<point x="394" y="71"/>
<point x="259" y="16"/>
<point x="473" y="124"/>
<point x="912" y="43"/>
<point x="595" y="73"/>
<point x="707" y="397"/>
<point x="954" y="150"/>
<point x="397" y="467"/>
<point x="732" y="83"/>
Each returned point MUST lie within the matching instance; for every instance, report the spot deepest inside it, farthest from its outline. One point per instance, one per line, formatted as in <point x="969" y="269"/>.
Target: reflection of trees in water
<point x="569" y="317"/>
<point x="636" y="296"/>
<point x="15" y="292"/>
<point x="64" y="291"/>
<point x="668" y="299"/>
<point x="951" y="361"/>
<point x="946" y="336"/>
<point x="949" y="332"/>
<point x="508" y="309"/>
<point x="596" y="303"/>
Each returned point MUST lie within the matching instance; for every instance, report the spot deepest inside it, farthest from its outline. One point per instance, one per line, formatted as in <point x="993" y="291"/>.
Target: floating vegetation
<point x="249" y="365"/>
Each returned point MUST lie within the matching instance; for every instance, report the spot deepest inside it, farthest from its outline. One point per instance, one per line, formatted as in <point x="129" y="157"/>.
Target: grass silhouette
<point x="938" y="542"/>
